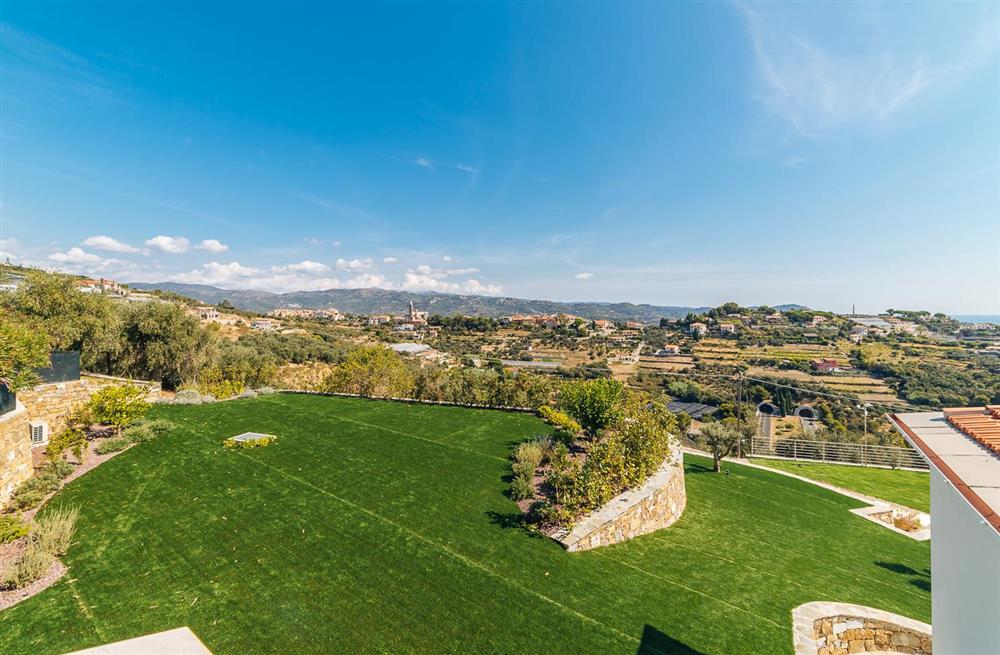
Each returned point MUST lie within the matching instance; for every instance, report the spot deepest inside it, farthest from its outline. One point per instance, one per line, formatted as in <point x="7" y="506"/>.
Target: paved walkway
<point x="179" y="641"/>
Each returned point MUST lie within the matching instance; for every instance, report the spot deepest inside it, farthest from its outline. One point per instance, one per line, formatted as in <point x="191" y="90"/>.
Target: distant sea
<point x="977" y="318"/>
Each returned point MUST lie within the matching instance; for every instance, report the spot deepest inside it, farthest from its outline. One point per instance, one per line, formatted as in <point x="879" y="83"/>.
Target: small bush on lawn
<point x="265" y="391"/>
<point x="11" y="528"/>
<point x="521" y="488"/>
<point x="119" y="406"/>
<point x="524" y="469"/>
<point x="113" y="445"/>
<point x="147" y="430"/>
<point x="248" y="393"/>
<point x="33" y="563"/>
<point x="259" y="442"/>
<point x="55" y="531"/>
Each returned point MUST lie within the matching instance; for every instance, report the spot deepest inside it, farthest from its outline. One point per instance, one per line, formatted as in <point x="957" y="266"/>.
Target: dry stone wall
<point x="827" y="628"/>
<point x="52" y="403"/>
<point x="657" y="504"/>
<point x="15" y="452"/>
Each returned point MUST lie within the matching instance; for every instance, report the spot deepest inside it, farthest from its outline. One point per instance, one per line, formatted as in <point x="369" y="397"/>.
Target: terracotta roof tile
<point x="979" y="423"/>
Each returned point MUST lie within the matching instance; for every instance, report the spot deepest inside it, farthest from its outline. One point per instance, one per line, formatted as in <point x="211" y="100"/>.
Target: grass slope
<point x="383" y="527"/>
<point x="909" y="488"/>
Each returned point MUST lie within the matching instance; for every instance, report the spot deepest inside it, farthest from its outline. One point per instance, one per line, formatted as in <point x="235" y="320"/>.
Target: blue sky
<point x="666" y="153"/>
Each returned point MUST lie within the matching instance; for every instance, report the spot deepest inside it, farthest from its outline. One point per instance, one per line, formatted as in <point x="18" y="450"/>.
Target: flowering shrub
<point x="259" y="442"/>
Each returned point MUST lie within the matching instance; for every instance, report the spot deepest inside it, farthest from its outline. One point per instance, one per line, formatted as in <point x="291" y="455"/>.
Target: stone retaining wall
<point x="15" y="451"/>
<point x="53" y="402"/>
<point x="823" y="628"/>
<point x="657" y="504"/>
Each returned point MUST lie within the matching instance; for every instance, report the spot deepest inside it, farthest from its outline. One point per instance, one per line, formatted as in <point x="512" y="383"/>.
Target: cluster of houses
<point x="114" y="290"/>
<point x="413" y="323"/>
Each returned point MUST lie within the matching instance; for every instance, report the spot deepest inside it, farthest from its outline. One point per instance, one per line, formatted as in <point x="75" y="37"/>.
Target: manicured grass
<point x="374" y="527"/>
<point x="909" y="488"/>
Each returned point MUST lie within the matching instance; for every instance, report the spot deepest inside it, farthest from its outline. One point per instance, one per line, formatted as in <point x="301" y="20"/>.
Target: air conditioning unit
<point x="39" y="432"/>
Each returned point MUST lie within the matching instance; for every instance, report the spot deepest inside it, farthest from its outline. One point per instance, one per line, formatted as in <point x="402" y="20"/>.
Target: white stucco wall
<point x="965" y="562"/>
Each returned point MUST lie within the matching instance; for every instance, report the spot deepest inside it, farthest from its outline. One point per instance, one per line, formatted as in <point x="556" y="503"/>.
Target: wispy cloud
<point x="428" y="278"/>
<point x="586" y="275"/>
<point x="59" y="70"/>
<point x="803" y="81"/>
<point x="423" y="162"/>
<point x="465" y="167"/>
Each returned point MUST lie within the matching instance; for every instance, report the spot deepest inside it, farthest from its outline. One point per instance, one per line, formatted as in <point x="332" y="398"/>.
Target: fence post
<point x="795" y="448"/>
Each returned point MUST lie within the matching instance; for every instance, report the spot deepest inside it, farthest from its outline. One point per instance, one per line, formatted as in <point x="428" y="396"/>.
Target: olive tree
<point x="22" y="350"/>
<point x="595" y="404"/>
<point x="720" y="439"/>
<point x="374" y="372"/>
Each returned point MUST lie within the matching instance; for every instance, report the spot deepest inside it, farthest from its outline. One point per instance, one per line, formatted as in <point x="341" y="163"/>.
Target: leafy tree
<point x="374" y="372"/>
<point x="119" y="405"/>
<point x="721" y="439"/>
<point x="163" y="343"/>
<point x="595" y="404"/>
<point x="22" y="350"/>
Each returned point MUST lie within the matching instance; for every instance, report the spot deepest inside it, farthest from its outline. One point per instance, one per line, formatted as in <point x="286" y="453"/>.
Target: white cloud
<point x="447" y="259"/>
<point x="354" y="264"/>
<point x="109" y="244"/>
<point x="424" y="163"/>
<point x="336" y="244"/>
<point x="466" y="168"/>
<point x="309" y="267"/>
<point x="212" y="245"/>
<point x="302" y="276"/>
<point x="583" y="276"/>
<point x="427" y="278"/>
<point x="75" y="256"/>
<point x="172" y="245"/>
<point x="390" y="260"/>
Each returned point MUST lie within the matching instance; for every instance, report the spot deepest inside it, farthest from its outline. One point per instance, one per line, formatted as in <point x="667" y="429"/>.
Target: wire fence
<point x="859" y="454"/>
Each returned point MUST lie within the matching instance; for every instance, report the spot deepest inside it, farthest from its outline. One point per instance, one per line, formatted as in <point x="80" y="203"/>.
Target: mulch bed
<point x="10" y="552"/>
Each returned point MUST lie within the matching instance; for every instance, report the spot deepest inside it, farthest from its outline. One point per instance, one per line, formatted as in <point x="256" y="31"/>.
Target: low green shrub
<point x="522" y="488"/>
<point x="55" y="530"/>
<point x="187" y="397"/>
<point x="12" y="528"/>
<point x="34" y="490"/>
<point x="60" y="467"/>
<point x="559" y="419"/>
<point x="265" y="391"/>
<point x="222" y="388"/>
<point x="33" y="563"/>
<point x="529" y="453"/>
<point x="113" y="445"/>
<point x="28" y="499"/>
<point x="525" y="469"/>
<point x="147" y="429"/>
<point x="259" y="442"/>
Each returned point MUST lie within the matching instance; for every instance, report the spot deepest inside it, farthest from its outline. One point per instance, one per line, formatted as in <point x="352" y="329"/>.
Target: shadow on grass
<point x="515" y="521"/>
<point x="919" y="579"/>
<point x="655" y="642"/>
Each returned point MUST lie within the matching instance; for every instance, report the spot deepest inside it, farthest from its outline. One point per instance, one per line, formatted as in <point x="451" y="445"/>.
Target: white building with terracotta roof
<point x="963" y="449"/>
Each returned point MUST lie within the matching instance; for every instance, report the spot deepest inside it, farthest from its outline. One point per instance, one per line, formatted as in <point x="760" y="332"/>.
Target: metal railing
<point x="839" y="453"/>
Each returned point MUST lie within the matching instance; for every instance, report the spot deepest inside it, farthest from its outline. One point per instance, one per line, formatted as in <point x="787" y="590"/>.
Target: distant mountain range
<point x="385" y="301"/>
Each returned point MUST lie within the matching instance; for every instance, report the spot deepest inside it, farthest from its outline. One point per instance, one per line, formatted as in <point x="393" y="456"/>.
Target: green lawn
<point x="909" y="488"/>
<point x="377" y="527"/>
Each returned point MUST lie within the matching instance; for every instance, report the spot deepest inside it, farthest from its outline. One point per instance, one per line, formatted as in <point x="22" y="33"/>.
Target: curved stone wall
<point x="823" y="628"/>
<point x="658" y="503"/>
